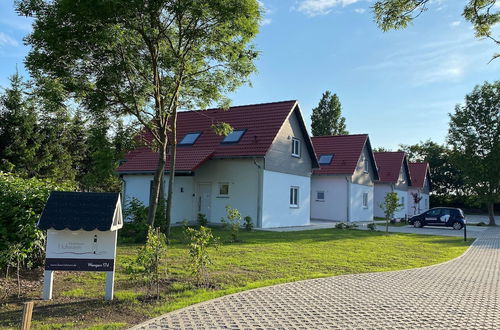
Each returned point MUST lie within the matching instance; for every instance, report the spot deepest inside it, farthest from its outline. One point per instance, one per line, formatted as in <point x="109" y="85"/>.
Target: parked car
<point x="439" y="216"/>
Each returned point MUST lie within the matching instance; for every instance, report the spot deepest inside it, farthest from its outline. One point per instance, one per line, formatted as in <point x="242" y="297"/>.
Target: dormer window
<point x="234" y="137"/>
<point x="295" y="147"/>
<point x="325" y="159"/>
<point x="366" y="165"/>
<point x="189" y="139"/>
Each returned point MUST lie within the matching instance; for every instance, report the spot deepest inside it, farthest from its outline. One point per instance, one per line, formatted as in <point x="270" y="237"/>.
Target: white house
<point x="421" y="185"/>
<point x="395" y="177"/>
<point x="342" y="188"/>
<point x="263" y="168"/>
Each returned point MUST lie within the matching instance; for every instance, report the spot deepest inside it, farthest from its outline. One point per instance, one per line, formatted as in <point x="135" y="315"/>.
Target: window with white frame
<point x="365" y="200"/>
<point x="366" y="165"/>
<point x="295" y="147"/>
<point x="320" y="196"/>
<point x="294" y="196"/>
<point x="223" y="189"/>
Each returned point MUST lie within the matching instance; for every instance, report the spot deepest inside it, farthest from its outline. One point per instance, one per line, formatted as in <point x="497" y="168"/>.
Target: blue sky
<point x="397" y="86"/>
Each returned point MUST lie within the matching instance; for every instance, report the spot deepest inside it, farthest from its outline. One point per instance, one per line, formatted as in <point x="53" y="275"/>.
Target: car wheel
<point x="457" y="225"/>
<point x="417" y="224"/>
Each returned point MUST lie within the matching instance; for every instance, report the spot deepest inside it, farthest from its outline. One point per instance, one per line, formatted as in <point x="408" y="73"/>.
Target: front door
<point x="204" y="199"/>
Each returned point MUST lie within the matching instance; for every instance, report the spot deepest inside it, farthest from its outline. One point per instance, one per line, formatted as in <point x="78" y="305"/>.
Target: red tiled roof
<point x="418" y="172"/>
<point x="389" y="165"/>
<point x="261" y="121"/>
<point x="346" y="150"/>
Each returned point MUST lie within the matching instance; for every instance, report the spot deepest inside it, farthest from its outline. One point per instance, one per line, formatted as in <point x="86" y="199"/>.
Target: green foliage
<point x="198" y="243"/>
<point x="222" y="128"/>
<point x="474" y="136"/>
<point x="136" y="227"/>
<point x="326" y="118"/>
<point x="398" y="14"/>
<point x="151" y="256"/>
<point x="481" y="223"/>
<point x="248" y="223"/>
<point x="202" y="219"/>
<point x="372" y="226"/>
<point x="21" y="204"/>
<point x="346" y="225"/>
<point x="233" y="222"/>
<point x="390" y="205"/>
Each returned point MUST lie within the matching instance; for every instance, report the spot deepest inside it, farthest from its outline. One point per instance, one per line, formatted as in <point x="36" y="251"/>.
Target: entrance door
<point x="204" y="199"/>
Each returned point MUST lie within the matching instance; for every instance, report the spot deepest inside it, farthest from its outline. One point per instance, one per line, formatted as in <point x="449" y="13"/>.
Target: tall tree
<point x="146" y="58"/>
<point x="474" y="136"/>
<point x="19" y="142"/>
<point x="327" y="116"/>
<point x="398" y="14"/>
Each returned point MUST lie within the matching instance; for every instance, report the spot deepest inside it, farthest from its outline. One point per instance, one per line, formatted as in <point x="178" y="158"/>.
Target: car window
<point x="446" y="212"/>
<point x="433" y="213"/>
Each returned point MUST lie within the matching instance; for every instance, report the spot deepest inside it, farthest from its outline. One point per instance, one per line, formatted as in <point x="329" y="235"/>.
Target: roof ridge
<point x="329" y="136"/>
<point x="240" y="106"/>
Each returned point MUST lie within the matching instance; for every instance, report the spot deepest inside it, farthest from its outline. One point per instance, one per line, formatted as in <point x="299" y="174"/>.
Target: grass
<point x="261" y="259"/>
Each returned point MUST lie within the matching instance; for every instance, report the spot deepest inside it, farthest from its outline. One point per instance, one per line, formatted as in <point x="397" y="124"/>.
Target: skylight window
<point x="234" y="137"/>
<point x="325" y="159"/>
<point x="189" y="139"/>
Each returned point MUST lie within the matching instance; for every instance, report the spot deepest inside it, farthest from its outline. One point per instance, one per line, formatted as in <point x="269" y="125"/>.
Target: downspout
<point x="259" y="193"/>
<point x="348" y="199"/>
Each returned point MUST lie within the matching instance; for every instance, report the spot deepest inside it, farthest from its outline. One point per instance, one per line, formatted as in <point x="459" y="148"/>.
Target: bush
<point x="481" y="224"/>
<point x="199" y="242"/>
<point x="21" y="204"/>
<point x="248" y="223"/>
<point x="346" y="225"/>
<point x="135" y="227"/>
<point x="233" y="222"/>
<point x="372" y="226"/>
<point x="202" y="220"/>
<point x="150" y="257"/>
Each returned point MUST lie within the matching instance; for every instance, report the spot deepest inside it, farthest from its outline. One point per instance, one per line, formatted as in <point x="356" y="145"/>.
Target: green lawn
<point x="261" y="259"/>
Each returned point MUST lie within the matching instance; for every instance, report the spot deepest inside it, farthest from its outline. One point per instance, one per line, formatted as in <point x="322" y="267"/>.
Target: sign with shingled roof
<point x="81" y="234"/>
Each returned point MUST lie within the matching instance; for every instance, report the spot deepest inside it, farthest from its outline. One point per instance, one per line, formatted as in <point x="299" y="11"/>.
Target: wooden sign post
<point x="82" y="232"/>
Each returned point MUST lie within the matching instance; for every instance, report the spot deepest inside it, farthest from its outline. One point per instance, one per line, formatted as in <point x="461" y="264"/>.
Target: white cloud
<point x="360" y="10"/>
<point x="321" y="7"/>
<point x="6" y="40"/>
<point x="266" y="20"/>
<point x="455" y="23"/>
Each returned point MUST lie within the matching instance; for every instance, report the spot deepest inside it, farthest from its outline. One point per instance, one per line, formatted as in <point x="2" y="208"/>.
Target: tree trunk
<point x="491" y="214"/>
<point x="171" y="178"/>
<point x="155" y="194"/>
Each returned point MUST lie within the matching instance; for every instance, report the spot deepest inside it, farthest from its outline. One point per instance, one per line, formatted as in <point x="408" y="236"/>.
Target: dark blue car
<point x="439" y="216"/>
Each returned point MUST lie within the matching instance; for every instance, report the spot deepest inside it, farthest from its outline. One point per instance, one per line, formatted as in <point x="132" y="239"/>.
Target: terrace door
<point x="204" y="199"/>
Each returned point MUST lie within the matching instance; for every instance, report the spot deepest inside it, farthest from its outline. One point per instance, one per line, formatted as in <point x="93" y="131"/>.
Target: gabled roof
<point x="261" y="123"/>
<point x="80" y="210"/>
<point x="389" y="166"/>
<point x="346" y="150"/>
<point x="419" y="172"/>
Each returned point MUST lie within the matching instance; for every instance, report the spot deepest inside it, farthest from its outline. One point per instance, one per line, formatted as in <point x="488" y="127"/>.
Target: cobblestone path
<point x="463" y="293"/>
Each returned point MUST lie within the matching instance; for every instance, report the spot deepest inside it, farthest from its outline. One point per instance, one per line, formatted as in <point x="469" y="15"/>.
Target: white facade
<point x="261" y="194"/>
<point x="422" y="206"/>
<point x="380" y="191"/>
<point x="277" y="210"/>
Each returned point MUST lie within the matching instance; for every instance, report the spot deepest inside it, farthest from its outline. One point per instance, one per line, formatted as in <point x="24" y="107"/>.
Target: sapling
<point x="390" y="205"/>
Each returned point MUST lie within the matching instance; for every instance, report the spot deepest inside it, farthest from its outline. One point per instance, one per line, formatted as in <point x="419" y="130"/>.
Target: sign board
<point x="80" y="250"/>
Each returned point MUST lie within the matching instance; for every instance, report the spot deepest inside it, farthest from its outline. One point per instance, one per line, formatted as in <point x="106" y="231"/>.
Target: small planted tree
<point x="416" y="201"/>
<point x="199" y="242"/>
<point x="390" y="205"/>
<point x="150" y="257"/>
<point x="233" y="222"/>
<point x="248" y="223"/>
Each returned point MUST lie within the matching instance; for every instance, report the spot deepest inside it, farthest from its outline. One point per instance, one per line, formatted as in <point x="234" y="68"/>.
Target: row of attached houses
<point x="269" y="169"/>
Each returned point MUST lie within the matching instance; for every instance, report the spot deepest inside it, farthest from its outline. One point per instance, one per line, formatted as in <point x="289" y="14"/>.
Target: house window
<point x="365" y="163"/>
<point x="189" y="139"/>
<point x="325" y="159"/>
<point x="320" y="196"/>
<point x="403" y="200"/>
<point x="365" y="200"/>
<point x="295" y="147"/>
<point x="294" y="196"/>
<point x="234" y="136"/>
<point x="223" y="189"/>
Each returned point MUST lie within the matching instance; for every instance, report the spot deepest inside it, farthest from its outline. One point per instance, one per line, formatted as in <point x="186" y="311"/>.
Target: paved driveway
<point x="462" y="293"/>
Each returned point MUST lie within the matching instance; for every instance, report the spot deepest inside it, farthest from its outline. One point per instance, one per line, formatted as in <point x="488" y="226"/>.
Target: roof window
<point x="234" y="136"/>
<point x="189" y="139"/>
<point x="325" y="159"/>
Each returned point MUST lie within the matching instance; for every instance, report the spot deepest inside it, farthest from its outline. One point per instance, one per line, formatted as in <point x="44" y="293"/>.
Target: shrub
<point x="481" y="224"/>
<point x="372" y="226"/>
<point x="21" y="204"/>
<point x="150" y="257"/>
<point x="346" y="225"/>
<point x="233" y="222"/>
<point x="135" y="227"/>
<point x="199" y="242"/>
<point x="248" y="223"/>
<point x="202" y="220"/>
